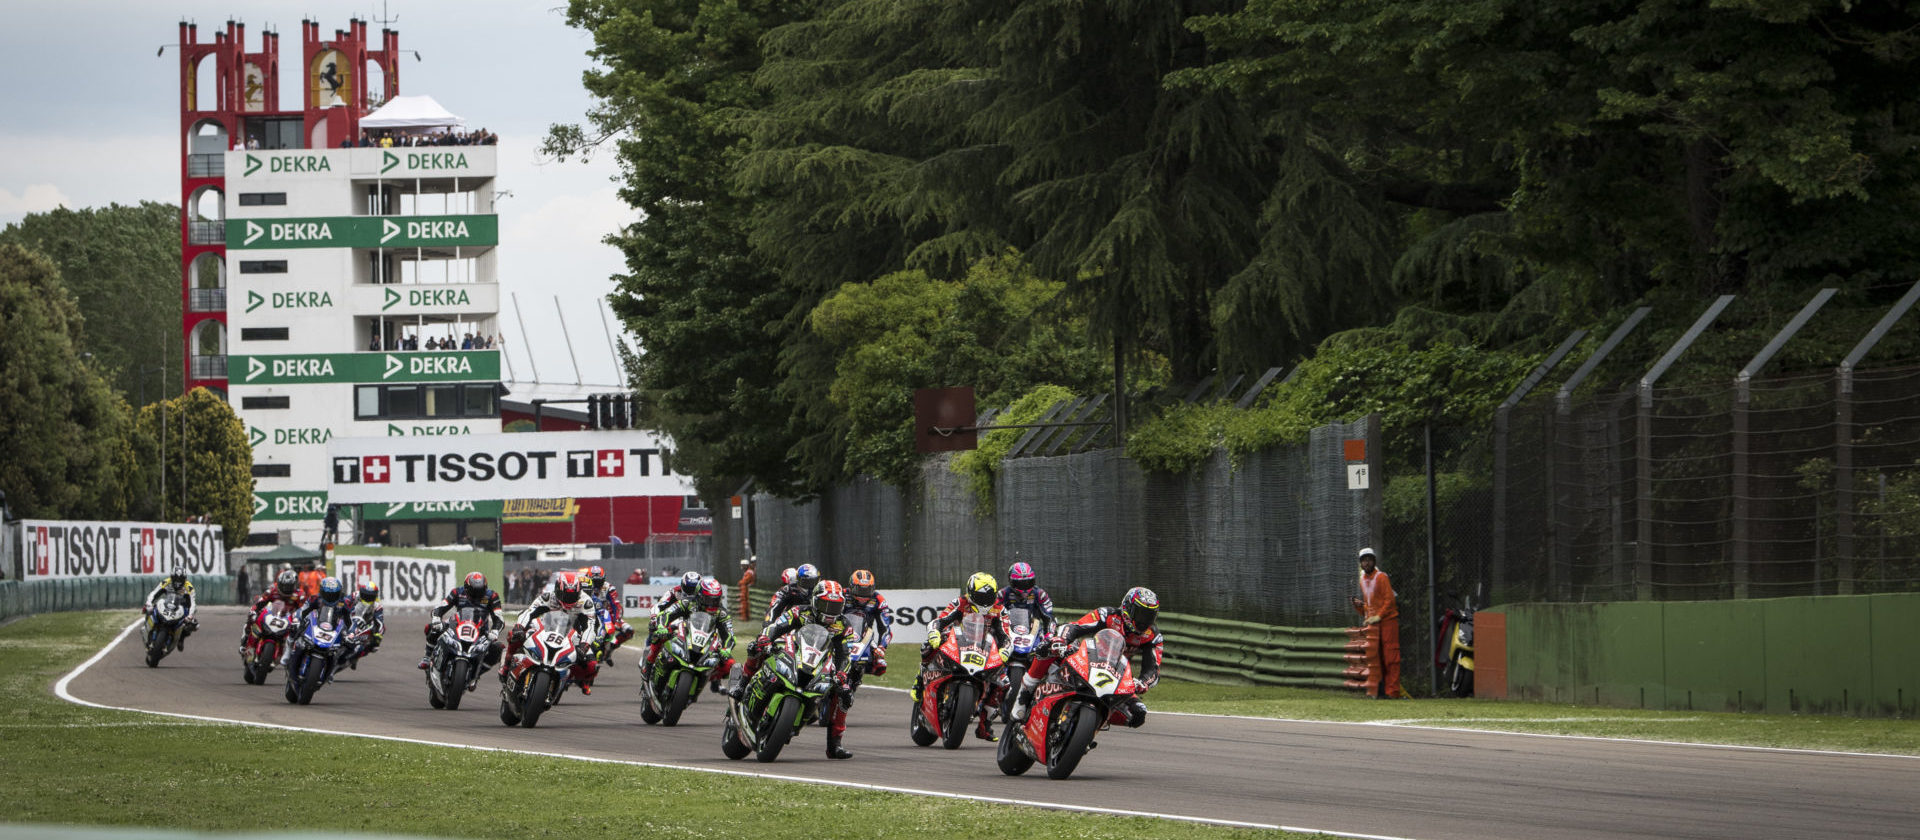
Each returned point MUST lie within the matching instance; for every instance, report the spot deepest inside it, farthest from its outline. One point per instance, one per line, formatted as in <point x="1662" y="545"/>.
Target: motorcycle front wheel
<point x="310" y="681"/>
<point x="780" y="731"/>
<point x="538" y="687"/>
<point x="1083" y="721"/>
<point x="455" y="686"/>
<point x="677" y="703"/>
<point x="1459" y="679"/>
<point x="955" y="731"/>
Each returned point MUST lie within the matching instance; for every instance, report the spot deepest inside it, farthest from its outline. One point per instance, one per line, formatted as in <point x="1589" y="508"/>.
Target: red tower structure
<point x="243" y="111"/>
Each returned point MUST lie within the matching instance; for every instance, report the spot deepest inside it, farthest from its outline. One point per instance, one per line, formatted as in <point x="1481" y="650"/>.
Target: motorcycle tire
<point x="455" y="686"/>
<point x="780" y="731"/>
<point x="434" y="697"/>
<point x="538" y="687"/>
<point x="918" y="730"/>
<point x="1459" y="679"/>
<point x="153" y="657"/>
<point x="954" y="732"/>
<point x="293" y="689"/>
<point x="1013" y="761"/>
<point x="246" y="673"/>
<point x="506" y="713"/>
<point x="730" y="745"/>
<point x="1085" y="721"/>
<point x="677" y="703"/>
<point x="310" y="681"/>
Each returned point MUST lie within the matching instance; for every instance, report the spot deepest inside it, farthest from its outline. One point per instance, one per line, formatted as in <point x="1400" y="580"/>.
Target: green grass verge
<point x="69" y="764"/>
<point x="1815" y="732"/>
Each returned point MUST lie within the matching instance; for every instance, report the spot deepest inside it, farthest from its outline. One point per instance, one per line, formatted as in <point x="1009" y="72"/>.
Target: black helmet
<point x="331" y="589"/>
<point x="829" y="601"/>
<point x="287" y="583"/>
<point x="1140" y="606"/>
<point x="177" y="581"/>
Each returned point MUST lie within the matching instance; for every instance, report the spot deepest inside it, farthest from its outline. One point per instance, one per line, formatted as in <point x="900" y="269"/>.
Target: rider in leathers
<point x="829" y="602"/>
<point x="708" y="601"/>
<point x="795" y="594"/>
<point x="565" y="598"/>
<point x="176" y="582"/>
<point x="1133" y="620"/>
<point x="472" y="592"/>
<point x="980" y="595"/>
<point x="286" y="590"/>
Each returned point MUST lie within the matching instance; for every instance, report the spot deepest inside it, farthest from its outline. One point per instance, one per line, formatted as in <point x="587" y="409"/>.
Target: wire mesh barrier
<point x="1269" y="540"/>
<point x="1806" y="485"/>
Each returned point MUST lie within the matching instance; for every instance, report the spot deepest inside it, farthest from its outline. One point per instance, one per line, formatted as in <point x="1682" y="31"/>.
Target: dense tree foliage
<point x="122" y="265"/>
<point x="208" y="463"/>
<point x="1444" y="187"/>
<point x="63" y="450"/>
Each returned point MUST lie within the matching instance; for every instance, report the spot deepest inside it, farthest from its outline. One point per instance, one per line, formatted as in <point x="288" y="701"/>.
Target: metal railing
<point x="207" y="300"/>
<point x="207" y="232"/>
<point x="209" y="367"/>
<point x="207" y="166"/>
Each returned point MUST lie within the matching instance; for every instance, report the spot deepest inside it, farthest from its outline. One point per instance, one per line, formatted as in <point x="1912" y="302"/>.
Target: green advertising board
<point x="409" y="366"/>
<point x="365" y="232"/>
<point x="289" y="504"/>
<point x="430" y="510"/>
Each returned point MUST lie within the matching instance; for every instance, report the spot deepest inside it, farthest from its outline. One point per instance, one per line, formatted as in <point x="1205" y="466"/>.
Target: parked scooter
<point x="1454" y="658"/>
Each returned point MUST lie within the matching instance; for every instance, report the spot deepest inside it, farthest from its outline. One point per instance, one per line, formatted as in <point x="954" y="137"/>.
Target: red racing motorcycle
<point x="951" y="688"/>
<point x="1087" y="692"/>
<point x="260" y="650"/>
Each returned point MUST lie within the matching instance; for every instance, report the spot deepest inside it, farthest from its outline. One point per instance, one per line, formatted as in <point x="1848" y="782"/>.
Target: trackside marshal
<point x="476" y="468"/>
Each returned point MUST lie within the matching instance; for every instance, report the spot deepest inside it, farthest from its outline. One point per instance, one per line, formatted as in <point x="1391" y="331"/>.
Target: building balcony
<point x="209" y="367"/>
<point x="206" y="232"/>
<point x="207" y="166"/>
<point x="206" y="300"/>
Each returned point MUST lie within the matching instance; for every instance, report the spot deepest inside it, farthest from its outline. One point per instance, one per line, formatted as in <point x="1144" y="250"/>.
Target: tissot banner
<point x="404" y="581"/>
<point x="474" y="468"/>
<point x="105" y="549"/>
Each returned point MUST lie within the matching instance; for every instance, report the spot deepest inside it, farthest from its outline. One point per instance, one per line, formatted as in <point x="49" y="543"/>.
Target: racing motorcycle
<point x="1454" y="661"/>
<point x="860" y="640"/>
<point x="966" y="666"/>
<point x="1086" y="693"/>
<point x="164" y="622"/>
<point x="317" y="653"/>
<point x="261" y="650"/>
<point x="358" y="641"/>
<point x="684" y="665"/>
<point x="1024" y="638"/>
<point x="538" y="673"/>
<point x="459" y="657"/>
<point x="789" y="691"/>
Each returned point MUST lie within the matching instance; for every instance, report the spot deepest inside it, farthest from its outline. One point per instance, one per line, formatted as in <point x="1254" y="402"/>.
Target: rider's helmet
<point x="787" y="575"/>
<point x="566" y="588"/>
<point x="829" y="601"/>
<point x="806" y="575"/>
<point x="476" y="586"/>
<point x="1140" y="606"/>
<point x="331" y="590"/>
<point x="287" y="583"/>
<point x="1020" y="576"/>
<point x="860" y="586"/>
<point x="369" y="592"/>
<point x="689" y="584"/>
<point x="596" y="578"/>
<point x="709" y="597"/>
<point x="177" y="581"/>
<point x="980" y="590"/>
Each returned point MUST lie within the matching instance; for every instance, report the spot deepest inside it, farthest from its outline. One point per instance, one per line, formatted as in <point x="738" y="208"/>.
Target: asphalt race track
<point x="1358" y="779"/>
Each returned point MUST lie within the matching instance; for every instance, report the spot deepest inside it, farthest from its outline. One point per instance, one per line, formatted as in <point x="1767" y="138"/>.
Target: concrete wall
<point x="19" y="597"/>
<point x="1832" y="655"/>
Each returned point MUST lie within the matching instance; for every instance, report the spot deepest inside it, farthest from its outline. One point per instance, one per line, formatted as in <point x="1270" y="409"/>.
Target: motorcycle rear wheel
<point x="1013" y="761"/>
<point x="682" y="688"/>
<point x="954" y="733"/>
<point x="780" y="732"/>
<point x="538" y="687"/>
<point x="1085" y="722"/>
<point x="455" y="686"/>
<point x="730" y="745"/>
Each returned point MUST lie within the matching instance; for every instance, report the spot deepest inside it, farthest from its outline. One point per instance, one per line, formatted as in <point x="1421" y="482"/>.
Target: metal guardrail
<point x="207" y="300"/>
<point x="207" y="232"/>
<point x="207" y="166"/>
<point x="29" y="597"/>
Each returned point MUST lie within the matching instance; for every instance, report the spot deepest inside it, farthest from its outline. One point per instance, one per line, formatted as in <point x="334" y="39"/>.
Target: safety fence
<point x="1223" y="652"/>
<point x="18" y="598"/>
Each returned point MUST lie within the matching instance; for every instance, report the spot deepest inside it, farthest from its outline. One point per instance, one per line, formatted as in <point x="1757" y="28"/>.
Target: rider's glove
<point x="1136" y="714"/>
<point x="933" y="637"/>
<point x="758" y="647"/>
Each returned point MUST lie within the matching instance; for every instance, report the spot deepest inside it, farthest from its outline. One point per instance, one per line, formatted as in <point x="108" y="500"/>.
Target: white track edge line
<point x="1388" y="724"/>
<point x="60" y="689"/>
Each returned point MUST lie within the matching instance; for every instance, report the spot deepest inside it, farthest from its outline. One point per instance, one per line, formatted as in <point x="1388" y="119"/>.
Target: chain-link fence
<point x="1805" y="485"/>
<point x="1270" y="539"/>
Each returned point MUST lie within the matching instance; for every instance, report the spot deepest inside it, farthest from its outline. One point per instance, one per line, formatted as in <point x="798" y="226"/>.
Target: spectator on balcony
<point x="373" y="343"/>
<point x="467" y="343"/>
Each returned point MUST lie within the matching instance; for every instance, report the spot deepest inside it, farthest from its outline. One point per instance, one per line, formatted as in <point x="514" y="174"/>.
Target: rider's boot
<point x="834" y="750"/>
<point x="1028" y="683"/>
<point x="917" y="682"/>
<point x="982" y="730"/>
<point x="732" y="688"/>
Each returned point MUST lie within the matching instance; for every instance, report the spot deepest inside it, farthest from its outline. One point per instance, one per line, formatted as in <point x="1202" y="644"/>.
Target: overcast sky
<point x="93" y="118"/>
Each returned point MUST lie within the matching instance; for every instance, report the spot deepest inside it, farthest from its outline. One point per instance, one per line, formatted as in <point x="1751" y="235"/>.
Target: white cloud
<point x="36" y="198"/>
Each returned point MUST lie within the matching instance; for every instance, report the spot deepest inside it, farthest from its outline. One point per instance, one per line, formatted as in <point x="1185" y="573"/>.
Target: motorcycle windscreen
<point x="811" y="649"/>
<point x="1107" y="667"/>
<point x="1019" y="621"/>
<point x="172" y="607"/>
<point x="699" y="630"/>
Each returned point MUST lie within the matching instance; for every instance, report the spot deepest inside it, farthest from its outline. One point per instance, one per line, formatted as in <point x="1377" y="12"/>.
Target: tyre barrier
<point x="28" y="597"/>
<point x="1220" y="651"/>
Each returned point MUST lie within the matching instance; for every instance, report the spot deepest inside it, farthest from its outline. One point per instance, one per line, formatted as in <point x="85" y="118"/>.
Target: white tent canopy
<point x="411" y="112"/>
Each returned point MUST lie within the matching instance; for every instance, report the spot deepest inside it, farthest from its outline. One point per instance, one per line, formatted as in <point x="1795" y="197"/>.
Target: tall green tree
<point x="710" y="316"/>
<point x="122" y="264"/>
<point x="195" y="459"/>
<point x="63" y="450"/>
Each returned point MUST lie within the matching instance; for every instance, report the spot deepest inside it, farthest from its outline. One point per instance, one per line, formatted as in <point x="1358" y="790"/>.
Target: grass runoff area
<point x="67" y="764"/>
